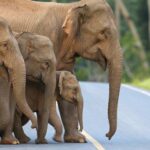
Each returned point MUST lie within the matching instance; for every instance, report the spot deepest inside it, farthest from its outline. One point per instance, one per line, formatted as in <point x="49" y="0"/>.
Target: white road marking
<point x="136" y="89"/>
<point x="93" y="141"/>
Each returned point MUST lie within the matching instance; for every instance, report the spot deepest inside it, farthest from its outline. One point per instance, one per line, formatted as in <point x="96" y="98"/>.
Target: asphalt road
<point x="133" y="122"/>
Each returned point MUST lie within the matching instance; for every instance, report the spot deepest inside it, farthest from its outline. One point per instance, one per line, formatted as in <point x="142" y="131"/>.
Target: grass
<point x="145" y="84"/>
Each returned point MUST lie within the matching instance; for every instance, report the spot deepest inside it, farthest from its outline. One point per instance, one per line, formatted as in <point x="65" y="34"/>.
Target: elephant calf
<point x="67" y="88"/>
<point x="40" y="64"/>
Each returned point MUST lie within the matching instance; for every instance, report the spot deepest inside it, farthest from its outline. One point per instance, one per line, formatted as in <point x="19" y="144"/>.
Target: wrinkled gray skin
<point x="40" y="65"/>
<point x="67" y="89"/>
<point x="12" y="83"/>
<point x="7" y="108"/>
<point x="87" y="29"/>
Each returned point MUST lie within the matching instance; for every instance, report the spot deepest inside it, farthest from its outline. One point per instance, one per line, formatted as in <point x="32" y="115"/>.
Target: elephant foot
<point x="57" y="138"/>
<point x="9" y="140"/>
<point x="75" y="137"/>
<point x="41" y="141"/>
<point x="24" y="139"/>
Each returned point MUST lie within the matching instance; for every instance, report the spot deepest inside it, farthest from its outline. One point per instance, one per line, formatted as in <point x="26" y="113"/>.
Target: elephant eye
<point x="74" y="89"/>
<point x="3" y="48"/>
<point x="3" y="44"/>
<point x="45" y="65"/>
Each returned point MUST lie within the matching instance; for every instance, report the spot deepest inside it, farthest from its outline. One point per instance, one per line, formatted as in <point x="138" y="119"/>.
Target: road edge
<point x="96" y="144"/>
<point x="136" y="89"/>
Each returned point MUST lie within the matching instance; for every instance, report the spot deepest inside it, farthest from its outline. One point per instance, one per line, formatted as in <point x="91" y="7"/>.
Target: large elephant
<point x="67" y="89"/>
<point x="12" y="83"/>
<point x="86" y="28"/>
<point x="40" y="62"/>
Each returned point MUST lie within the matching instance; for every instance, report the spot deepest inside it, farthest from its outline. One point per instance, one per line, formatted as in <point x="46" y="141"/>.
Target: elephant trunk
<point x="115" y="71"/>
<point x="80" y="109"/>
<point x="16" y="69"/>
<point x="18" y="82"/>
<point x="50" y="100"/>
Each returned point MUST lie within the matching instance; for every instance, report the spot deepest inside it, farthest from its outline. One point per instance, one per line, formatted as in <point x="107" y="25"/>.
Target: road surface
<point x="133" y="122"/>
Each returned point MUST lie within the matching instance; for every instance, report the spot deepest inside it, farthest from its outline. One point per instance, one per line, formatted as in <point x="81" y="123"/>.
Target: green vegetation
<point x="145" y="84"/>
<point x="138" y="10"/>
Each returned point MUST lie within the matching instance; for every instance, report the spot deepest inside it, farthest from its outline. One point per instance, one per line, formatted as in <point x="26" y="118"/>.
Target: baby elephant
<point x="40" y="64"/>
<point x="67" y="88"/>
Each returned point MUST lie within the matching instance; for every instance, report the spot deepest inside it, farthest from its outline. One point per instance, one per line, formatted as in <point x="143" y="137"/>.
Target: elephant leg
<point x="7" y="137"/>
<point x="53" y="116"/>
<point x="58" y="131"/>
<point x="69" y="118"/>
<point x="18" y="129"/>
<point x="42" y="126"/>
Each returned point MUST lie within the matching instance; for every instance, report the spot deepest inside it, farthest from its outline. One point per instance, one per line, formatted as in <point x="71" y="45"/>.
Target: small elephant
<point x="67" y="88"/>
<point x="40" y="64"/>
<point x="12" y="84"/>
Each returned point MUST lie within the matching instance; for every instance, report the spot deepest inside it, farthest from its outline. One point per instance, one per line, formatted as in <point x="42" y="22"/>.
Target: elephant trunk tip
<point x="110" y="134"/>
<point x="34" y="123"/>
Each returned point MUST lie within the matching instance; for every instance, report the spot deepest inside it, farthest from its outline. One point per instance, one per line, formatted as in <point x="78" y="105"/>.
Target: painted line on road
<point x="93" y="141"/>
<point x="136" y="89"/>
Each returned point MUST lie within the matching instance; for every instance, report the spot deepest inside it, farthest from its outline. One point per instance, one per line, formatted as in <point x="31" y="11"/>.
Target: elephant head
<point x="12" y="59"/>
<point x="90" y="31"/>
<point x="69" y="90"/>
<point x="40" y="64"/>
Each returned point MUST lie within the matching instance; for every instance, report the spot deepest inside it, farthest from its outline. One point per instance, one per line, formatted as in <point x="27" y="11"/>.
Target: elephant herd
<point x="39" y="43"/>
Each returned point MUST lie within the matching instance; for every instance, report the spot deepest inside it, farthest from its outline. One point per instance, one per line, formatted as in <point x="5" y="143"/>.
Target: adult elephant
<point x="86" y="28"/>
<point x="12" y="83"/>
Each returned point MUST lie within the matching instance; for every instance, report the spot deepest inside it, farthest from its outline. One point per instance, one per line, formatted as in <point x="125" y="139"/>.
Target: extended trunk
<point x="115" y="71"/>
<point x="18" y="81"/>
<point x="50" y="99"/>
<point x="16" y="68"/>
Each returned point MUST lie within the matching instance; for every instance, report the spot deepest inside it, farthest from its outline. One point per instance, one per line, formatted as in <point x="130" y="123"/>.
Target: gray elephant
<point x="40" y="62"/>
<point x="12" y="84"/>
<point x="86" y="28"/>
<point x="67" y="89"/>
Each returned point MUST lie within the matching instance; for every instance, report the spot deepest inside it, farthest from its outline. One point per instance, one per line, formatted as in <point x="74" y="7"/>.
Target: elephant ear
<point x="74" y="19"/>
<point x="71" y="26"/>
<point x="25" y="43"/>
<point x="60" y="83"/>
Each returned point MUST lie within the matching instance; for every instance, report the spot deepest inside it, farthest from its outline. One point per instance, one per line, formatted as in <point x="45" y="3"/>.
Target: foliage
<point x="87" y="70"/>
<point x="139" y="14"/>
<point x="81" y="69"/>
<point x="142" y="83"/>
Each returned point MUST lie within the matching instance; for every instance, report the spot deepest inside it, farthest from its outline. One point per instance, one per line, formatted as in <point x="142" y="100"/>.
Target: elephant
<point x="12" y="84"/>
<point x="67" y="89"/>
<point x="86" y="29"/>
<point x="40" y="62"/>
